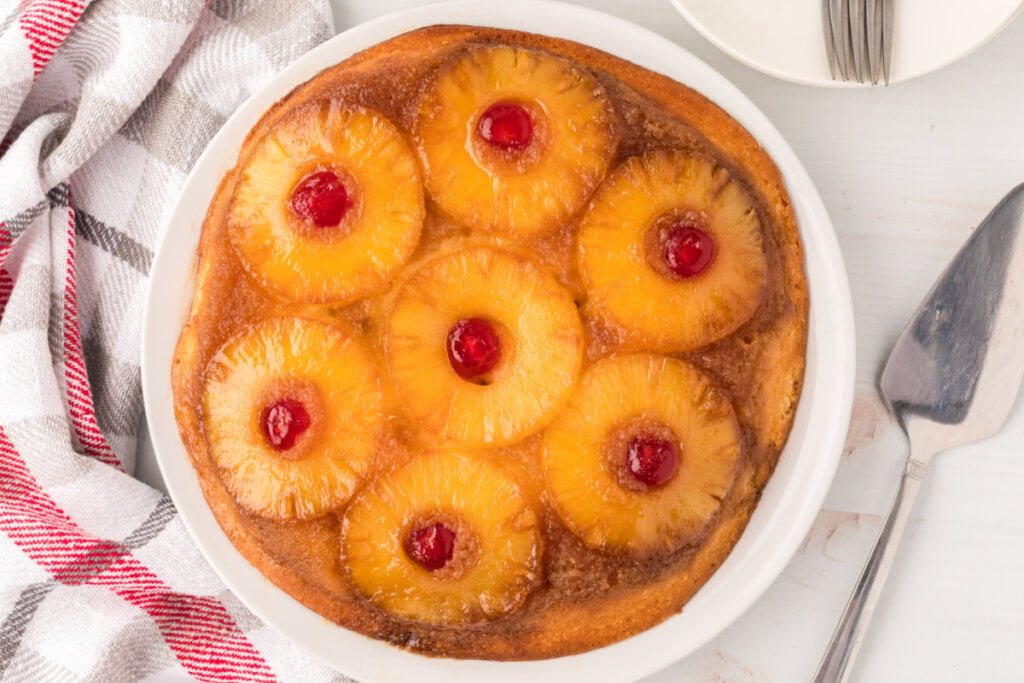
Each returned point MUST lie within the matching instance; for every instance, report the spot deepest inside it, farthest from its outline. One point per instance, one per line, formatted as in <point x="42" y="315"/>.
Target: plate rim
<point x="379" y="661"/>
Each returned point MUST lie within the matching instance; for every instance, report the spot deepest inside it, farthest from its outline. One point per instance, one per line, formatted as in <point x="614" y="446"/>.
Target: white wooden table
<point x="906" y="173"/>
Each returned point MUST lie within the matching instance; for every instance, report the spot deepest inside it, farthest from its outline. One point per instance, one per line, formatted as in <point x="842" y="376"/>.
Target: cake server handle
<point x="836" y="665"/>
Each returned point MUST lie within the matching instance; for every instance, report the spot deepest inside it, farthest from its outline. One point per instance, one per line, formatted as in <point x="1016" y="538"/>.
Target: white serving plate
<point x="790" y="501"/>
<point x="783" y="38"/>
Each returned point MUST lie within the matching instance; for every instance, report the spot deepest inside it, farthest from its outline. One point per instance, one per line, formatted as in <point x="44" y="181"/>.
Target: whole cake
<point x="496" y="339"/>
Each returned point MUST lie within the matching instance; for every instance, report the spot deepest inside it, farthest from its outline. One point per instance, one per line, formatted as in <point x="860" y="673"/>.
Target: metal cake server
<point x="952" y="379"/>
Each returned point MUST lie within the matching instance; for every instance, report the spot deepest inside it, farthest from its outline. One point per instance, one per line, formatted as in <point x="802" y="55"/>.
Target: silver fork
<point x="858" y="38"/>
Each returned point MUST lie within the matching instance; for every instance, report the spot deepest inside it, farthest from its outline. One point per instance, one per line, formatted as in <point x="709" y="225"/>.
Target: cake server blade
<point x="952" y="379"/>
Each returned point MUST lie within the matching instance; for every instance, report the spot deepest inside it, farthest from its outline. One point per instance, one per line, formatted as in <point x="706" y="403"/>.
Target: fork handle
<point x="837" y="663"/>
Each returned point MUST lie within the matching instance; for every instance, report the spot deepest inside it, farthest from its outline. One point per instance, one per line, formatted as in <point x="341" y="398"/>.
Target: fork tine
<point x="888" y="21"/>
<point x="830" y="45"/>
<point x="838" y="19"/>
<point x="873" y="19"/>
<point x="847" y="40"/>
<point x="858" y="40"/>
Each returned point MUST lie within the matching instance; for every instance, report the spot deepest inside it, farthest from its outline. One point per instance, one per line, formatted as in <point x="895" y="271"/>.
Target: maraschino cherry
<point x="431" y="546"/>
<point x="474" y="348"/>
<point x="283" y="422"/>
<point x="321" y="197"/>
<point x="687" y="250"/>
<point x="508" y="126"/>
<point x="651" y="460"/>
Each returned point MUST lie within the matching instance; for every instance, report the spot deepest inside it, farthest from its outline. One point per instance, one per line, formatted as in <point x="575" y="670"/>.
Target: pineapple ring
<point x="581" y="483"/>
<point x="329" y="372"/>
<point x="537" y="371"/>
<point x="376" y="235"/>
<point x="542" y="185"/>
<point x="658" y="312"/>
<point x="506" y="561"/>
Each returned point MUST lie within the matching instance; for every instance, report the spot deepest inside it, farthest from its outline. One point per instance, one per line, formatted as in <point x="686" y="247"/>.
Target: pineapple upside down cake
<point x="495" y="342"/>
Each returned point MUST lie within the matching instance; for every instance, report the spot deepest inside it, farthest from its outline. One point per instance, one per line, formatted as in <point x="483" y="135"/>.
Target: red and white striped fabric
<point x="104" y="107"/>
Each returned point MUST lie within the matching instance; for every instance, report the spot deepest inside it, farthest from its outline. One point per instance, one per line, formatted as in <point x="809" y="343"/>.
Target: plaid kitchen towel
<point x="104" y="107"/>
